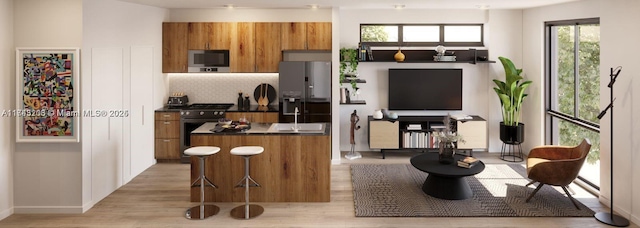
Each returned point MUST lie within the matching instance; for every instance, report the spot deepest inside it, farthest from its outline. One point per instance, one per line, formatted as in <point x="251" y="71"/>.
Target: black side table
<point x="513" y="151"/>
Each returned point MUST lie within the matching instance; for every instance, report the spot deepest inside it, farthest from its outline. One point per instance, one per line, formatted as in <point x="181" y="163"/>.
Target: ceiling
<point x="351" y="4"/>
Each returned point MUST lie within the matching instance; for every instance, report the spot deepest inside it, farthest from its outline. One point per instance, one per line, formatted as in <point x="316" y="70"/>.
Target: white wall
<point x="477" y="85"/>
<point x="120" y="25"/>
<point x="47" y="176"/>
<point x="618" y="36"/>
<point x="7" y="54"/>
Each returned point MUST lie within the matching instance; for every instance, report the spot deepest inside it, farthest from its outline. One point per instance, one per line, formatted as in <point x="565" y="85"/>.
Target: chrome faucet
<point x="295" y="119"/>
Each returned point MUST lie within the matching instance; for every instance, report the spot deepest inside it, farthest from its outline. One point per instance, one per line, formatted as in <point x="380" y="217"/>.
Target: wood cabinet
<point x="292" y="168"/>
<point x="474" y="133"/>
<point x="167" y="135"/>
<point x="256" y="117"/>
<point x="243" y="50"/>
<point x="268" y="48"/>
<point x="383" y="134"/>
<point x="318" y="35"/>
<point x="306" y="36"/>
<point x="253" y="47"/>
<point x="174" y="47"/>
<point x="210" y="35"/>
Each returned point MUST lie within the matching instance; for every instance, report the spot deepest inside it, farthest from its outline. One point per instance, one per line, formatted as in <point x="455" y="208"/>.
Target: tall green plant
<point x="511" y="92"/>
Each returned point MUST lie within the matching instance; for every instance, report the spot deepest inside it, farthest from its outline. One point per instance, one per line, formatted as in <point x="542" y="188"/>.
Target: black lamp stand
<point x="608" y="217"/>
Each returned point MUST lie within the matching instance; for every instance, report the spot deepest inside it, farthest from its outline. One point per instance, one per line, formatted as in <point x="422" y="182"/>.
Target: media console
<point x="415" y="132"/>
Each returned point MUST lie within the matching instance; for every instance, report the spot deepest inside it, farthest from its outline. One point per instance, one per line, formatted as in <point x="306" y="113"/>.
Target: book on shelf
<point x="468" y="162"/>
<point x="369" y="52"/>
<point x="461" y="117"/>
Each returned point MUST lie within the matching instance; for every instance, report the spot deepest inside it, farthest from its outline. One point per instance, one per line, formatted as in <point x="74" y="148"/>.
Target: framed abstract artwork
<point x="47" y="102"/>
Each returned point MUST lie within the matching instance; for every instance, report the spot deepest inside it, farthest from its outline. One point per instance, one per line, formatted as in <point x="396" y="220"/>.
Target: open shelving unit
<point x="354" y="102"/>
<point x="388" y="135"/>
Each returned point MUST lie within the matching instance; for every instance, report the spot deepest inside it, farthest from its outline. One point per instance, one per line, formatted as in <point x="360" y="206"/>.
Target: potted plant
<point x="348" y="65"/>
<point x="446" y="137"/>
<point x="511" y="94"/>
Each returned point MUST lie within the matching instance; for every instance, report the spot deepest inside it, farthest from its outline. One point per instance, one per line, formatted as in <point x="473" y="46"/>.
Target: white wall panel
<point x="141" y="112"/>
<point x="106" y="130"/>
<point x="6" y="83"/>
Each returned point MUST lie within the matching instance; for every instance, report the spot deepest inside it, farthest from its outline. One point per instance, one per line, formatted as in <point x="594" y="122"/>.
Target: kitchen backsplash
<point x="220" y="87"/>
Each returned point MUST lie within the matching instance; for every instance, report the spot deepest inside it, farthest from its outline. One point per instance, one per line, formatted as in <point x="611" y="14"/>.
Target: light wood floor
<point x="159" y="196"/>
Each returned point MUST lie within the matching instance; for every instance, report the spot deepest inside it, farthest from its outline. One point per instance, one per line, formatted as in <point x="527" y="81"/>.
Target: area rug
<point x="395" y="190"/>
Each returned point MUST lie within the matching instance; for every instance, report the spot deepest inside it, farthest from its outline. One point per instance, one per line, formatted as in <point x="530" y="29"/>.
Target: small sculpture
<point x="354" y="120"/>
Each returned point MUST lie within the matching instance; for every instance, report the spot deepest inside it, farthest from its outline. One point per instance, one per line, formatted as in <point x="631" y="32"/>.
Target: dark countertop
<point x="255" y="108"/>
<point x="167" y="109"/>
<point x="256" y="128"/>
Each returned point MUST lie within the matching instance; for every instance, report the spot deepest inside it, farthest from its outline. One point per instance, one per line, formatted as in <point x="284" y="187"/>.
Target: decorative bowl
<point x="224" y="121"/>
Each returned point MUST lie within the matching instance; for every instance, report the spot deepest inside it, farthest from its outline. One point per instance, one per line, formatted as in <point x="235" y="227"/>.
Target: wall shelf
<point x="471" y="56"/>
<point x="354" y="102"/>
<point x="357" y="80"/>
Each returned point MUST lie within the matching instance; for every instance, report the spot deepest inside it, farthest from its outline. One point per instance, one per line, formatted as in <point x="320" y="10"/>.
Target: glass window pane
<point x="459" y="33"/>
<point x="571" y="135"/>
<point x="564" y="68"/>
<point x="414" y="33"/>
<point x="589" y="72"/>
<point x="379" y="33"/>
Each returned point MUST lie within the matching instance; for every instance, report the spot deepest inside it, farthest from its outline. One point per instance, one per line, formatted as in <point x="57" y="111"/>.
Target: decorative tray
<point x="233" y="127"/>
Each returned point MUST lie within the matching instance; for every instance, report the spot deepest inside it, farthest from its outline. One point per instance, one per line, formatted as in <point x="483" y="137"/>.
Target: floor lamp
<point x="608" y="217"/>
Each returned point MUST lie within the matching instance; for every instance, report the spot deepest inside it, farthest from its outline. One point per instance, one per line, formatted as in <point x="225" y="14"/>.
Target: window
<point x="422" y="34"/>
<point x="573" y="89"/>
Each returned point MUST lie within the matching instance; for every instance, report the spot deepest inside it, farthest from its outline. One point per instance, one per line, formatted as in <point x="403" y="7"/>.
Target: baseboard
<point x="6" y="213"/>
<point x="87" y="206"/>
<point x="48" y="209"/>
<point x="335" y="161"/>
<point x="618" y="210"/>
<point x="635" y="219"/>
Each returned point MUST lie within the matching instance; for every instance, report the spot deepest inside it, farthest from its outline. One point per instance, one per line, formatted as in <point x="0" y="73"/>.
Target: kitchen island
<point x="294" y="167"/>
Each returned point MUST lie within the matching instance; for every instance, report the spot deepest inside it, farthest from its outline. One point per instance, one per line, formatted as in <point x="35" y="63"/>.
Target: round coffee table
<point x="445" y="181"/>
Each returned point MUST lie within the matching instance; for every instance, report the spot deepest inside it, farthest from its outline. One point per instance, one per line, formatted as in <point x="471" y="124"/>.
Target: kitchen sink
<point x="302" y="127"/>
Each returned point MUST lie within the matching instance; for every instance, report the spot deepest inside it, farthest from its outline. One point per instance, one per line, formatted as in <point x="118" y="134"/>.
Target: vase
<point x="399" y="56"/>
<point x="446" y="152"/>
<point x="377" y="114"/>
<point x="240" y="102"/>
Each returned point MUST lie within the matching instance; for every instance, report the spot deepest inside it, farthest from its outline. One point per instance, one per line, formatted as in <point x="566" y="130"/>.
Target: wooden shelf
<point x="357" y="80"/>
<point x="427" y="61"/>
<point x="354" y="102"/>
<point x="471" y="56"/>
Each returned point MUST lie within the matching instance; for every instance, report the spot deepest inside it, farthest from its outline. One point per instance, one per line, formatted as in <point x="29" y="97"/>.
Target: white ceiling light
<point x="398" y="6"/>
<point x="482" y="6"/>
<point x="229" y="6"/>
<point x="313" y="6"/>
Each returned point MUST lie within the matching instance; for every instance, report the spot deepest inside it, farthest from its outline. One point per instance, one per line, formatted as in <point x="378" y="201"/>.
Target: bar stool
<point x="247" y="211"/>
<point x="202" y="211"/>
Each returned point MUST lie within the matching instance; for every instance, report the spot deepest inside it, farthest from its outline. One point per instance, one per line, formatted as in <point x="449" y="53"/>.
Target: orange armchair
<point x="556" y="165"/>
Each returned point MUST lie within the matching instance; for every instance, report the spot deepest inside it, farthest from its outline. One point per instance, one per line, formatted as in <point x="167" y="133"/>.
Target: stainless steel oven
<point x="194" y="116"/>
<point x="208" y="61"/>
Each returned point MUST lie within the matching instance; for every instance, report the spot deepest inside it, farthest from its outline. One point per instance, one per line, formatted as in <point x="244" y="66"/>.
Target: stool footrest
<point x="241" y="183"/>
<point x="206" y="180"/>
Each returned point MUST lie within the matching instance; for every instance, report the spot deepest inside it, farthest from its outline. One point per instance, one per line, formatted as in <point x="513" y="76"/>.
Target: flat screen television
<point x="425" y="89"/>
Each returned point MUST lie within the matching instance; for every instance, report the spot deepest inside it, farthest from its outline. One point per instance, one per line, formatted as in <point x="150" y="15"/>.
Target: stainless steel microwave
<point x="208" y="61"/>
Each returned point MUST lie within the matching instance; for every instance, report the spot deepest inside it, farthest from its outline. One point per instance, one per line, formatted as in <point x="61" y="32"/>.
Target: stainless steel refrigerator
<point x="306" y="85"/>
